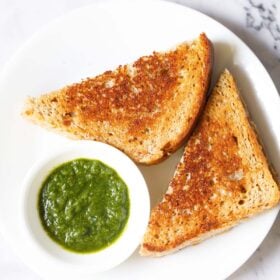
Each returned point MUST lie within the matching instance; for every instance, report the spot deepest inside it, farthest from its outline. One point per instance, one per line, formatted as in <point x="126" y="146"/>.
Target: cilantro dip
<point x="84" y="205"/>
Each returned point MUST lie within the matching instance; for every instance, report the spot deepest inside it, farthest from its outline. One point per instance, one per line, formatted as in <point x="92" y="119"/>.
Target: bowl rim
<point x="43" y="248"/>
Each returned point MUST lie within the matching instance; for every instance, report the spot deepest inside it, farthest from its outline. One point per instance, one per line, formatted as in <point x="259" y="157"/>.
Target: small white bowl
<point x="44" y="249"/>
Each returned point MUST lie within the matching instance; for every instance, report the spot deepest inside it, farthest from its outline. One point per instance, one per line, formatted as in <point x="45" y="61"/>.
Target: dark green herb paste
<point x="84" y="205"/>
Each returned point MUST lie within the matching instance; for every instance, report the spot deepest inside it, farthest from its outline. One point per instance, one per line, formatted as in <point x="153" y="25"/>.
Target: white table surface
<point x="257" y="22"/>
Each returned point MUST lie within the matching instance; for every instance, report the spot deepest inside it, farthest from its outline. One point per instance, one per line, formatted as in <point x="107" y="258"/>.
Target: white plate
<point x="102" y="36"/>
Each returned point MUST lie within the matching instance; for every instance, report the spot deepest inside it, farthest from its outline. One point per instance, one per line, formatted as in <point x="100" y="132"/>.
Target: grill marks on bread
<point x="131" y="92"/>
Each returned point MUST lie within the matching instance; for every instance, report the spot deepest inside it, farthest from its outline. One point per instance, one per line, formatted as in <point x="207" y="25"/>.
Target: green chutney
<point x="84" y="205"/>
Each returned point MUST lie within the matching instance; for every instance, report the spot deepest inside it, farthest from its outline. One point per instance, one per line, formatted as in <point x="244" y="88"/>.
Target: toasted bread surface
<point x="222" y="178"/>
<point x="145" y="109"/>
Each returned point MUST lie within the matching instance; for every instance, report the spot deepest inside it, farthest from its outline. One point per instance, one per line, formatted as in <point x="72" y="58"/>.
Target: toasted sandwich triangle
<point x="146" y="109"/>
<point x="222" y="178"/>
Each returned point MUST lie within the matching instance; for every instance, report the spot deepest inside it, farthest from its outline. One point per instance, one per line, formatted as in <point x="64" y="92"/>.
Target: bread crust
<point x="181" y="139"/>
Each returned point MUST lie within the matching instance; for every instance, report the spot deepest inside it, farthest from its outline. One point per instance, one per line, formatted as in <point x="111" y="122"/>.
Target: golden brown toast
<point x="222" y="178"/>
<point x="145" y="109"/>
